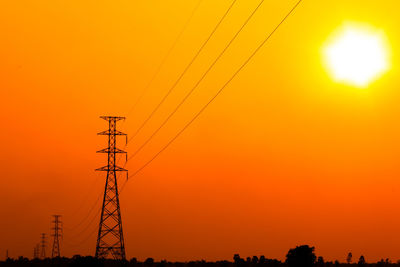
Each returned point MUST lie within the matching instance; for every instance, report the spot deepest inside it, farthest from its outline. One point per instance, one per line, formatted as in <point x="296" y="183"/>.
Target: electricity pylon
<point x="43" y="246"/>
<point x="55" y="252"/>
<point x="35" y="252"/>
<point x="37" y="249"/>
<point x="110" y="239"/>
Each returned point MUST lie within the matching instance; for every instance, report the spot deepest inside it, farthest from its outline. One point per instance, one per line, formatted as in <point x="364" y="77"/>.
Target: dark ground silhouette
<point x="301" y="256"/>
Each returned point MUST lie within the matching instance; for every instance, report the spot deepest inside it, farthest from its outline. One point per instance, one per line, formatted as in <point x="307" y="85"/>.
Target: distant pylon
<point x="43" y="246"/>
<point x="110" y="239"/>
<point x="35" y="256"/>
<point x="37" y="250"/>
<point x="55" y="252"/>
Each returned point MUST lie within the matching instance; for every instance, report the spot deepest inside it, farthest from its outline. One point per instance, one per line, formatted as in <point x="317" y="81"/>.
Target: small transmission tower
<point x="110" y="239"/>
<point x="35" y="252"/>
<point x="57" y="234"/>
<point x="43" y="246"/>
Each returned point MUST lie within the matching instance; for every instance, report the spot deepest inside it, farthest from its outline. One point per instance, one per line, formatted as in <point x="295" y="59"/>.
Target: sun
<point x="356" y="55"/>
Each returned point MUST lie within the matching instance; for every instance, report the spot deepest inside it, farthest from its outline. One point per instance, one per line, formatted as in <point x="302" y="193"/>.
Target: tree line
<point x="300" y="256"/>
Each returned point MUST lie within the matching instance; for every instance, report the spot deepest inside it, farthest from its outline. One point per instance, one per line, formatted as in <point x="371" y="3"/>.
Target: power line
<point x="165" y="57"/>
<point x="145" y="89"/>
<point x="184" y="71"/>
<point x="94" y="217"/>
<point x="86" y="197"/>
<point x="218" y="92"/>
<point x="87" y="214"/>
<point x="199" y="81"/>
<point x="83" y="240"/>
<point x="182" y="74"/>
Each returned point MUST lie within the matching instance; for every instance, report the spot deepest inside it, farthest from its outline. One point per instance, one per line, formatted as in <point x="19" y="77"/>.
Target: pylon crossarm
<point x="114" y="118"/>
<point x="109" y="132"/>
<point x="108" y="150"/>
<point x="112" y="168"/>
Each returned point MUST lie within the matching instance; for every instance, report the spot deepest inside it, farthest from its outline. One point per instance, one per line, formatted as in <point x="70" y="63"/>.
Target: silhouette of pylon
<point x="43" y="246"/>
<point x="110" y="239"/>
<point x="55" y="252"/>
<point x="37" y="250"/>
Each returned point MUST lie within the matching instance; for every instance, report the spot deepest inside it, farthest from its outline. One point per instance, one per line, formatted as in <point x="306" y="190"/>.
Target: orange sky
<point x="285" y="156"/>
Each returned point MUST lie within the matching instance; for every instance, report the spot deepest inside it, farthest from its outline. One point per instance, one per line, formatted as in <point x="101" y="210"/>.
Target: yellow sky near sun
<point x="284" y="156"/>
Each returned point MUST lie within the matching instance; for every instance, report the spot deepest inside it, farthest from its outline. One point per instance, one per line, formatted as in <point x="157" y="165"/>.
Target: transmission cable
<point x="83" y="240"/>
<point x="182" y="74"/>
<point x="145" y="89"/>
<point x="184" y="71"/>
<point x="86" y="197"/>
<point x="89" y="224"/>
<point x="87" y="214"/>
<point x="244" y="64"/>
<point x="199" y="81"/>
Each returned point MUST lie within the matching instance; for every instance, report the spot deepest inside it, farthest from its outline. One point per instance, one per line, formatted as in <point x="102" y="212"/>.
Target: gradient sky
<point x="285" y="156"/>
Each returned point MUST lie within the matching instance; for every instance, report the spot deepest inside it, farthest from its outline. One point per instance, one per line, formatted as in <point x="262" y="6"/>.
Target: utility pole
<point x="55" y="252"/>
<point x="43" y="246"/>
<point x="7" y="254"/>
<point x="110" y="239"/>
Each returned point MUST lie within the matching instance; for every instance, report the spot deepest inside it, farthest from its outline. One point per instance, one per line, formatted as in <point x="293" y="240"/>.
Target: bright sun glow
<point x="357" y="55"/>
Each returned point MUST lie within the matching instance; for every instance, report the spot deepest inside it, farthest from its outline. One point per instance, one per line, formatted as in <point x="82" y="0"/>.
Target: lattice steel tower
<point x="43" y="246"/>
<point x="110" y="239"/>
<point x="55" y="252"/>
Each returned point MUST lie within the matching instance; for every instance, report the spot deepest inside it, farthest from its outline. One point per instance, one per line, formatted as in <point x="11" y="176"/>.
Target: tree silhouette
<point x="236" y="258"/>
<point x="262" y="259"/>
<point x="349" y="258"/>
<point x="302" y="256"/>
<point x="320" y="261"/>
<point x="133" y="261"/>
<point x="149" y="261"/>
<point x="361" y="261"/>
